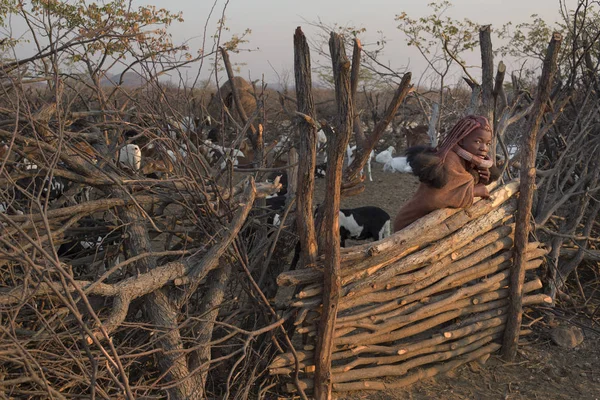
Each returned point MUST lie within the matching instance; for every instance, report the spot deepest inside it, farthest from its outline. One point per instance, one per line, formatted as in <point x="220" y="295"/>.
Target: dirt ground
<point x="542" y="369"/>
<point x="387" y="191"/>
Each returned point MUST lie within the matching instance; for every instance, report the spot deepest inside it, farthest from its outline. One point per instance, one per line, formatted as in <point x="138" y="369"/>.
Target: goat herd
<point x="152" y="159"/>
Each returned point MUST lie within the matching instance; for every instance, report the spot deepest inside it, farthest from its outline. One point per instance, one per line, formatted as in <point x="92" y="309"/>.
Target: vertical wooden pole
<point x="307" y="151"/>
<point x="292" y="175"/>
<point x="487" y="80"/>
<point x="236" y="97"/>
<point x="331" y="273"/>
<point x="359" y="135"/>
<point x="526" y="189"/>
<point x="362" y="153"/>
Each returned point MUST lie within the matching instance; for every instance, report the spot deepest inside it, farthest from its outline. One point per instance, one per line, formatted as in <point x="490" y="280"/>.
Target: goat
<point x="321" y="141"/>
<point x="386" y="155"/>
<point x="398" y="164"/>
<point x="283" y="179"/>
<point x="214" y="152"/>
<point x="97" y="241"/>
<point x="350" y="158"/>
<point x="363" y="223"/>
<point x="359" y="224"/>
<point x="130" y="156"/>
<point x="276" y="204"/>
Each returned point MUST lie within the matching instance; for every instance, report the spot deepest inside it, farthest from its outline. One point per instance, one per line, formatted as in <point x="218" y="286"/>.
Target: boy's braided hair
<point x="427" y="163"/>
<point x="460" y="130"/>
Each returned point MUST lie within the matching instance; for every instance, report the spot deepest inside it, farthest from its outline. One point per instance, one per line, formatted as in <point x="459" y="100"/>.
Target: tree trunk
<point x="209" y="309"/>
<point x="161" y="310"/>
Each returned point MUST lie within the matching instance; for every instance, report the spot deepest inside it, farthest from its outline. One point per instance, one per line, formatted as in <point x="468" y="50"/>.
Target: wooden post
<point x="292" y="175"/>
<point x="362" y="154"/>
<point x="307" y="150"/>
<point x="487" y="80"/>
<point x="526" y="189"/>
<point x="331" y="271"/>
<point x="433" y="122"/>
<point x="500" y="100"/>
<point x="236" y="98"/>
<point x="359" y="135"/>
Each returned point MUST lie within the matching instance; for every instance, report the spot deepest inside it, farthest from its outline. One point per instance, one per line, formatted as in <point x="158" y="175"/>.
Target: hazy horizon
<point x="269" y="51"/>
<point x="271" y="40"/>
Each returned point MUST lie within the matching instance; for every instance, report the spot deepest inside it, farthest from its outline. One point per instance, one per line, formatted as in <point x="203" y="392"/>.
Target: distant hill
<point x="133" y="79"/>
<point x="130" y="79"/>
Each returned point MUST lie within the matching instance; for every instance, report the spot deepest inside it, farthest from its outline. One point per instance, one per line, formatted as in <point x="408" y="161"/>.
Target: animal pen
<point x="442" y="292"/>
<point x="421" y="302"/>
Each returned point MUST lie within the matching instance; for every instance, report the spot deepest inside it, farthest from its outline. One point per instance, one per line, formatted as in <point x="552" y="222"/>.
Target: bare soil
<point x="542" y="370"/>
<point x="388" y="191"/>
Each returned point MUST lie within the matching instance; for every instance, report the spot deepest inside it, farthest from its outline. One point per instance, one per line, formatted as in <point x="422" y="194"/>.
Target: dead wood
<point x="487" y="80"/>
<point x="469" y="232"/>
<point x="500" y="100"/>
<point x="330" y="244"/>
<point x="522" y="226"/>
<point x="307" y="151"/>
<point x="352" y="173"/>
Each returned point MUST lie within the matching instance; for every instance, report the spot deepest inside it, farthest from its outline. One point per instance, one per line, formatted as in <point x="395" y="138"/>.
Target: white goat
<point x="130" y="156"/>
<point x="350" y="158"/>
<point x="397" y="164"/>
<point x="386" y="155"/>
<point x="321" y="139"/>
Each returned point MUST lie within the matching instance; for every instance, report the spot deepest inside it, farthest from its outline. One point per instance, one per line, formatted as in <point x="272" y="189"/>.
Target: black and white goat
<point x="276" y="204"/>
<point x="363" y="223"/>
<point x="358" y="224"/>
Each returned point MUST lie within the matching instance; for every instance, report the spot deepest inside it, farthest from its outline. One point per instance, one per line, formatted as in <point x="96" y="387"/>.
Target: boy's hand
<point x="481" y="191"/>
<point x="484" y="175"/>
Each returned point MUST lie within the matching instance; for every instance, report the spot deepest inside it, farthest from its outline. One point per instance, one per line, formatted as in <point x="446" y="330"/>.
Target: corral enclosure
<point x="140" y="254"/>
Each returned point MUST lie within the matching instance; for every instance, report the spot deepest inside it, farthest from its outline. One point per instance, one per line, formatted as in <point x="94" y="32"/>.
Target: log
<point x="445" y="246"/>
<point x="487" y="80"/>
<point x="454" y="334"/>
<point x="498" y="236"/>
<point x="411" y="378"/>
<point x="439" y="353"/>
<point x="359" y="135"/>
<point x="399" y="244"/>
<point x="451" y="307"/>
<point x="500" y="99"/>
<point x="460" y="221"/>
<point x="481" y="321"/>
<point x="591" y="255"/>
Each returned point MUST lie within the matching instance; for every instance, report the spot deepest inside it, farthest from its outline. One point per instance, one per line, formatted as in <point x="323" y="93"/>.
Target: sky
<point x="269" y="51"/>
<point x="273" y="22"/>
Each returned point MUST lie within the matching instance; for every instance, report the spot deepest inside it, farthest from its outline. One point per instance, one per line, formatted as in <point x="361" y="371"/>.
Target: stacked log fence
<point x="424" y="301"/>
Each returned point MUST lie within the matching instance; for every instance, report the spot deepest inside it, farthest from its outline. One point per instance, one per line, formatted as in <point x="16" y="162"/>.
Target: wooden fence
<point x="424" y="301"/>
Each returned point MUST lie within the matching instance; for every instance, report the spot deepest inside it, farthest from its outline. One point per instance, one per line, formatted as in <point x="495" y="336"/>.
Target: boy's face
<point x="477" y="142"/>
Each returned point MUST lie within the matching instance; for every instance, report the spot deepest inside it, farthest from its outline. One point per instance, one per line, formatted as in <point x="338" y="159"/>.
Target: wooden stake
<point x="527" y="187"/>
<point x="331" y="272"/>
<point x="307" y="151"/>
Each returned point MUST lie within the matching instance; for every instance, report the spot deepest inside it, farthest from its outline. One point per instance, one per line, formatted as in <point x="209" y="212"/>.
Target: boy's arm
<point x="481" y="191"/>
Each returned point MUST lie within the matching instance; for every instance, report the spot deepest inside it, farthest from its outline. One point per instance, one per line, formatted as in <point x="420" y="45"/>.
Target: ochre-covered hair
<point x="462" y="128"/>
